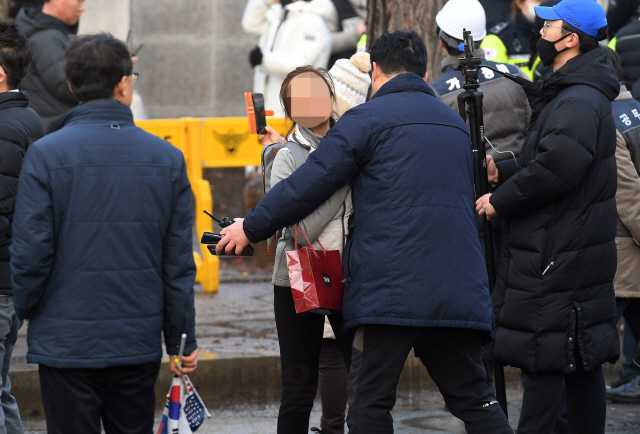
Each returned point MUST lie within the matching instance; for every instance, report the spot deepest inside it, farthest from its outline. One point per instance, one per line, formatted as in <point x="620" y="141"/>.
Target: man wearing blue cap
<point x="554" y="300"/>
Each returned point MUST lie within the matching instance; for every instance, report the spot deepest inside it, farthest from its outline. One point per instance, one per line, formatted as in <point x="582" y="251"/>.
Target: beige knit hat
<point x="352" y="81"/>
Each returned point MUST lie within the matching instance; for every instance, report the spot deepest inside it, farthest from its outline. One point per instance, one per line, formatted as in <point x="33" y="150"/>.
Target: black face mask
<point x="547" y="50"/>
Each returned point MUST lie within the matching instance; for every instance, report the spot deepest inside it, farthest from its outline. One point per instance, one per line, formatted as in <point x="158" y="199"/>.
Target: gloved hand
<point x="255" y="57"/>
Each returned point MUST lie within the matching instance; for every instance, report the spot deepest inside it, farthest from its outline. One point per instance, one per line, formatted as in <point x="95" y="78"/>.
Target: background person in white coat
<point x="292" y="33"/>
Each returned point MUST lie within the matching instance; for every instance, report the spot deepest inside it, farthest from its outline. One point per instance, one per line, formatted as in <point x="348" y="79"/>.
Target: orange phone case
<point x="251" y="113"/>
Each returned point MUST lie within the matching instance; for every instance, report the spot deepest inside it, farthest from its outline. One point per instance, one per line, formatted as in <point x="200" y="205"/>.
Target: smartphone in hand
<point x="256" y="113"/>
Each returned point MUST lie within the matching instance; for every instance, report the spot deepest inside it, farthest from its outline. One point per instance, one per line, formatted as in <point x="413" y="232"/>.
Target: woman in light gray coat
<point x="300" y="335"/>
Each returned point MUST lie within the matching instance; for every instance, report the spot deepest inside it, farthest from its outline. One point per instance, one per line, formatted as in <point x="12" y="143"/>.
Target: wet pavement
<point x="410" y="417"/>
<point x="239" y="369"/>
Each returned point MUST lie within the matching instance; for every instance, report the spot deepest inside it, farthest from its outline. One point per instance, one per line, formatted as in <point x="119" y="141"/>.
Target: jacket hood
<point x="13" y="99"/>
<point x="108" y="110"/>
<point x="32" y="20"/>
<point x="591" y="69"/>
<point x="324" y="8"/>
<point x="407" y="81"/>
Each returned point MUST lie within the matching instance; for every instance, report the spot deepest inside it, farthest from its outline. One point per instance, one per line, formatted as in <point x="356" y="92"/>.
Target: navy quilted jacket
<point x="412" y="257"/>
<point x="102" y="258"/>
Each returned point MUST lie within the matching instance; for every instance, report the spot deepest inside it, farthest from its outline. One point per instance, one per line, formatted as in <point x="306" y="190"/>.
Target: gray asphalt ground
<point x="237" y="325"/>
<point x="409" y="418"/>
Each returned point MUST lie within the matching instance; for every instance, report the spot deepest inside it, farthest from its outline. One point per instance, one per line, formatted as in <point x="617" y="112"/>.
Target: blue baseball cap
<point x="585" y="15"/>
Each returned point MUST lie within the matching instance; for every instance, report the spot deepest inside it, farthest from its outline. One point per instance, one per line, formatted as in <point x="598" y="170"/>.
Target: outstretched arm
<point x="328" y="169"/>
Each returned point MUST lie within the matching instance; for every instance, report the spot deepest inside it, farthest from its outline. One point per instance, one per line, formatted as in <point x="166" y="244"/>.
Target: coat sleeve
<point x="314" y="224"/>
<point x="566" y="150"/>
<point x="312" y="40"/>
<point x="33" y="246"/>
<point x="179" y="270"/>
<point x="346" y="39"/>
<point x="254" y="21"/>
<point x="628" y="191"/>
<point x="48" y="54"/>
<point x="337" y="161"/>
<point x="506" y="169"/>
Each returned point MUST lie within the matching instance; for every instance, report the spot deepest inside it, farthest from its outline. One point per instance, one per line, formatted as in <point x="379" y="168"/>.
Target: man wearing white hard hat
<point x="554" y="299"/>
<point x="505" y="107"/>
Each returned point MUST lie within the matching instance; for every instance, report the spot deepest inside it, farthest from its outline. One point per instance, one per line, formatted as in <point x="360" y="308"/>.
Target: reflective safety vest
<point x="626" y="113"/>
<point x="362" y="44"/>
<point x="505" y="44"/>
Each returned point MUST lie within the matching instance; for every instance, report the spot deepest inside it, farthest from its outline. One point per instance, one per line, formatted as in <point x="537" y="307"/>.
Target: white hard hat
<point x="457" y="15"/>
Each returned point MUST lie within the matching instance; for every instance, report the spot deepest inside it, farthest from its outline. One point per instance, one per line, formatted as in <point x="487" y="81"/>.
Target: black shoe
<point x="316" y="430"/>
<point x="629" y="392"/>
<point x="622" y="379"/>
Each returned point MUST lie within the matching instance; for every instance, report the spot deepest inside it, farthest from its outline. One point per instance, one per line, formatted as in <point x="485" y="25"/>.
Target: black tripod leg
<point x="476" y="128"/>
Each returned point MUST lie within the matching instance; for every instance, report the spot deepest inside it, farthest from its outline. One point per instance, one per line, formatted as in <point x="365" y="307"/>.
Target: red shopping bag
<point x="316" y="278"/>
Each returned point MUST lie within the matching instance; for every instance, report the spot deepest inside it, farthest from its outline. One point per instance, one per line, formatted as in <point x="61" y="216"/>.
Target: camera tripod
<point x="470" y="106"/>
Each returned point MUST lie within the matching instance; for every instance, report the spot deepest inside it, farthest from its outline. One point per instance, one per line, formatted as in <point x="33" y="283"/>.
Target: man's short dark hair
<point x="400" y="51"/>
<point x="95" y="64"/>
<point x="15" y="52"/>
<point x="587" y="42"/>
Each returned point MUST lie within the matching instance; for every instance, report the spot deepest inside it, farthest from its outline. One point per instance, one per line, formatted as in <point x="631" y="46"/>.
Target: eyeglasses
<point x="134" y="76"/>
<point x="545" y="25"/>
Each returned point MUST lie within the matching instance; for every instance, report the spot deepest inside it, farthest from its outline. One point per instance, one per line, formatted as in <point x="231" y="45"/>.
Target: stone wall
<point x="111" y="16"/>
<point x="194" y="59"/>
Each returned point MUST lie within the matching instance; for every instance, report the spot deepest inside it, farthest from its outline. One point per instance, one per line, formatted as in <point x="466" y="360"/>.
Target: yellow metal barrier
<point x="210" y="142"/>
<point x="226" y="142"/>
<point x="185" y="134"/>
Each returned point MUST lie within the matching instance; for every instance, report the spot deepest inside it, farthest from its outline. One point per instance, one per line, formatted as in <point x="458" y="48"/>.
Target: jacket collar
<point x="106" y="110"/>
<point x="37" y="20"/>
<point x="405" y="82"/>
<point x="13" y="99"/>
<point x="591" y="69"/>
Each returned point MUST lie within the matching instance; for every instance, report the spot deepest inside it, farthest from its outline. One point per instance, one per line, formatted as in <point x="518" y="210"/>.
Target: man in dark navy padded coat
<point x="101" y="259"/>
<point x="415" y="276"/>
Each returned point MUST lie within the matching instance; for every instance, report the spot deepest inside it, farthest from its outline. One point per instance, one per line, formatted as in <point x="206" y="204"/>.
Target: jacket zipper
<point x="547" y="269"/>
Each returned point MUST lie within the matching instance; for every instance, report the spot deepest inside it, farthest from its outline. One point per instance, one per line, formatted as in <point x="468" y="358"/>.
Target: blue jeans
<point x="9" y="325"/>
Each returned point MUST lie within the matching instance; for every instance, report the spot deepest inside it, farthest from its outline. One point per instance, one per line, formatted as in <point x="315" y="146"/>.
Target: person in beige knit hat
<point x="352" y="81"/>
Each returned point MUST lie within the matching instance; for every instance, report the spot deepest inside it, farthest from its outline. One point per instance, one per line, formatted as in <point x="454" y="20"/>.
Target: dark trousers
<point x="76" y="400"/>
<point x="543" y="396"/>
<point x="629" y="308"/>
<point x="333" y="387"/>
<point x="452" y="358"/>
<point x="300" y="339"/>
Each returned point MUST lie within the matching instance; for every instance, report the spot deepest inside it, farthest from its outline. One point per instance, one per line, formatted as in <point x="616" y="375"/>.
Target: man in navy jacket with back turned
<point x="101" y="260"/>
<point x="415" y="276"/>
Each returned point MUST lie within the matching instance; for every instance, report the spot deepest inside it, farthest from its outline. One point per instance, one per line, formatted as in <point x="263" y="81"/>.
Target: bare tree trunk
<point x="417" y="15"/>
<point x="4" y="8"/>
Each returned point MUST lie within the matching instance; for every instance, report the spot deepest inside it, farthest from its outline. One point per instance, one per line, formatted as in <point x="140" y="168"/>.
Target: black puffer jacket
<point x="19" y="127"/>
<point x="46" y="83"/>
<point x="554" y="293"/>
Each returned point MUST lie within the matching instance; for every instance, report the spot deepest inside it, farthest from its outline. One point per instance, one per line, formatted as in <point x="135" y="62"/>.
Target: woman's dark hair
<point x="400" y="51"/>
<point x="15" y="52"/>
<point x="616" y="61"/>
<point x="285" y="89"/>
<point x="95" y="64"/>
<point x="587" y="43"/>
